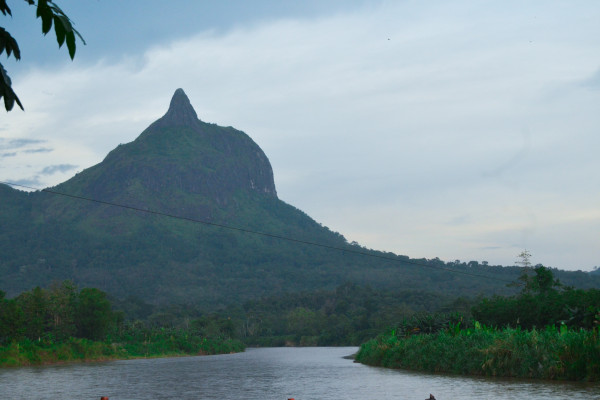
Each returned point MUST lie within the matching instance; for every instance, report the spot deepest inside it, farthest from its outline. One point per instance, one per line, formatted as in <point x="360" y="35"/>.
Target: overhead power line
<point x="234" y="228"/>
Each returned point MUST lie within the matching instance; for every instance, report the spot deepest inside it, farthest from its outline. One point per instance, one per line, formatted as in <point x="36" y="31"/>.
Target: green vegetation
<point x="348" y="315"/>
<point x="56" y="314"/>
<point x="550" y="353"/>
<point x="431" y="333"/>
<point x="185" y="167"/>
<point x="166" y="261"/>
<point x="542" y="302"/>
<point x="140" y="342"/>
<point x="158" y="344"/>
<point x="28" y="352"/>
<point x="520" y="337"/>
<point x="62" y="324"/>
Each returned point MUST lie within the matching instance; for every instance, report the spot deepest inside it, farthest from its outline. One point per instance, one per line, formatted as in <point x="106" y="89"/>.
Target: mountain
<point x="93" y="228"/>
<point x="179" y="165"/>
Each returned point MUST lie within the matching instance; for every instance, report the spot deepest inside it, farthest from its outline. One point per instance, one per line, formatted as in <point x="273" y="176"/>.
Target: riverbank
<point x="559" y="354"/>
<point x="27" y="352"/>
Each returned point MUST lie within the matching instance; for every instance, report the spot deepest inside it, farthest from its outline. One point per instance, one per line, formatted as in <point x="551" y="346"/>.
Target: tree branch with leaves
<point x="50" y="15"/>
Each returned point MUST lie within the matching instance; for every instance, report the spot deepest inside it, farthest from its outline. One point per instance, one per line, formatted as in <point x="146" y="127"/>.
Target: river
<point x="263" y="374"/>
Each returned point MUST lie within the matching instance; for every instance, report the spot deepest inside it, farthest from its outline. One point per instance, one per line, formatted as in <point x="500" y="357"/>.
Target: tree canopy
<point x="50" y="15"/>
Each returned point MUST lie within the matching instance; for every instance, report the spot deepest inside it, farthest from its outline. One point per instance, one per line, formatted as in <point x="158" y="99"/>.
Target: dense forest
<point x="543" y="319"/>
<point x="57" y="313"/>
<point x="350" y="314"/>
<point x="62" y="323"/>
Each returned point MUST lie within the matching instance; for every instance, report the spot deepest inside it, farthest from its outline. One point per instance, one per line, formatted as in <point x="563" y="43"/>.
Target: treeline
<point x="543" y="301"/>
<point x="62" y="323"/>
<point x="347" y="315"/>
<point x="57" y="313"/>
<point x="352" y="314"/>
<point x="546" y="331"/>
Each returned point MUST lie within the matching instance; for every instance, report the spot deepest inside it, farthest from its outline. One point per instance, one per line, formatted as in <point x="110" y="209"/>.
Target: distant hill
<point x="184" y="167"/>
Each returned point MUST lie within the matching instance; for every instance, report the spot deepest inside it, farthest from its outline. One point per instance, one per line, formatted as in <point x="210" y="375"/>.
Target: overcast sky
<point x="461" y="130"/>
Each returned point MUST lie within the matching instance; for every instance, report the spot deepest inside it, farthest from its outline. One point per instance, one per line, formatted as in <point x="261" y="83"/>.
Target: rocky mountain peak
<point x="181" y="112"/>
<point x="181" y="154"/>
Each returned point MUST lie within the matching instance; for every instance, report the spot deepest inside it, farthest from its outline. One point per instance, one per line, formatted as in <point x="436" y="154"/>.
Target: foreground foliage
<point x="50" y="14"/>
<point x="550" y="353"/>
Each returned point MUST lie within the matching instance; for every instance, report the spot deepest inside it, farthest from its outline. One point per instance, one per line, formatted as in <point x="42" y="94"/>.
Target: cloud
<point x="592" y="82"/>
<point x="8" y="154"/>
<point x="53" y="169"/>
<point x="10" y="144"/>
<point x="38" y="150"/>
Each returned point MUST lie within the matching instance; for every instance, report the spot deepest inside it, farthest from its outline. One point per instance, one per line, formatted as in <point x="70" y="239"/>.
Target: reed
<point x="550" y="353"/>
<point x="28" y="352"/>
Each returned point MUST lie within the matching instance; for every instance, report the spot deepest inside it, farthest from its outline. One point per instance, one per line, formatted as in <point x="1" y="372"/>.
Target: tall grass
<point x="176" y="342"/>
<point x="27" y="352"/>
<point x="547" y="354"/>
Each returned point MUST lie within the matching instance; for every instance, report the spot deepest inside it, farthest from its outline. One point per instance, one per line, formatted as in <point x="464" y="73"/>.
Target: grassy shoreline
<point x="559" y="354"/>
<point x="32" y="353"/>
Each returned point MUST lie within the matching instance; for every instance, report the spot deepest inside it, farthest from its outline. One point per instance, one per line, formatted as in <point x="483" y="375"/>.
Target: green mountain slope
<point x="185" y="167"/>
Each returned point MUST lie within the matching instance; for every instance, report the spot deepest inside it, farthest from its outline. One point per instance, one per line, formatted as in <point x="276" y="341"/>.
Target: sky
<point x="464" y="130"/>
